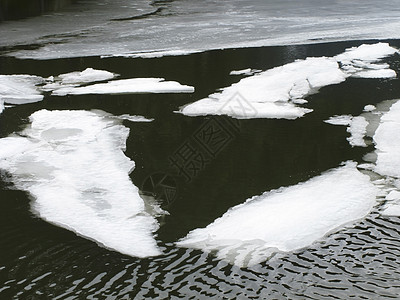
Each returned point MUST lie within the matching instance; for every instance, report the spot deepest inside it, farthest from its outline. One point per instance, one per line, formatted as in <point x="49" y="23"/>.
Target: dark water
<point x="19" y="9"/>
<point x="39" y="260"/>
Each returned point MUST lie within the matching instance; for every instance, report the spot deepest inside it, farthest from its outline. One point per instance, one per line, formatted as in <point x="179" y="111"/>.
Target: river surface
<point x="39" y="260"/>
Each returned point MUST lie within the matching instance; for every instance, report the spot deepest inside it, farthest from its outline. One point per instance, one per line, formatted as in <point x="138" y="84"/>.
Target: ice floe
<point x="20" y="89"/>
<point x="276" y="93"/>
<point x="287" y="219"/>
<point x="356" y="126"/>
<point x="127" y="86"/>
<point x="369" y="107"/>
<point x="73" y="165"/>
<point x="387" y="143"/>
<point x="246" y="72"/>
<point x="134" y="118"/>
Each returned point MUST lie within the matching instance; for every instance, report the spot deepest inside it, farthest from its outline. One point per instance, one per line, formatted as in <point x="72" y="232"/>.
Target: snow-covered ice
<point x="127" y="86"/>
<point x="134" y="118"/>
<point x="356" y="126"/>
<point x="369" y="107"/>
<point x="387" y="143"/>
<point x="287" y="219"/>
<point x="20" y="89"/>
<point x="275" y="93"/>
<point x="73" y="165"/>
<point x="246" y="72"/>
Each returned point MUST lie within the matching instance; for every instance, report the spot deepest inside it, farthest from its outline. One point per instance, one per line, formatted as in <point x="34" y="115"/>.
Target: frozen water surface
<point x="73" y="165"/>
<point x="275" y="93"/>
<point x="179" y="27"/>
<point x="287" y="219"/>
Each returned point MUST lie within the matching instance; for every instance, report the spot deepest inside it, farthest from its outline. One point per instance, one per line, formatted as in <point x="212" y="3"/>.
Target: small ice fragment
<point x="393" y="195"/>
<point x="134" y="118"/>
<point x="369" y="107"/>
<point x="344" y="120"/>
<point x="87" y="76"/>
<point x="357" y="129"/>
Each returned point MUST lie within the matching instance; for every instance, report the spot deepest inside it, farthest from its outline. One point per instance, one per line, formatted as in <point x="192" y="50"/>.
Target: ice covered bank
<point x="287" y="219"/>
<point x="73" y="165"/>
<point x="277" y="93"/>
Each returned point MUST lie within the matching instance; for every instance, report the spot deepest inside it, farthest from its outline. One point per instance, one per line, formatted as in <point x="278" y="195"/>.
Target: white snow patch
<point x="288" y="218"/>
<point x="343" y="120"/>
<point x="357" y="130"/>
<point x="275" y="92"/>
<point x="72" y="163"/>
<point x="20" y="89"/>
<point x="75" y="79"/>
<point x="1" y="105"/>
<point x="134" y="118"/>
<point x="387" y="143"/>
<point x="246" y="72"/>
<point x="128" y="86"/>
<point x="369" y="107"/>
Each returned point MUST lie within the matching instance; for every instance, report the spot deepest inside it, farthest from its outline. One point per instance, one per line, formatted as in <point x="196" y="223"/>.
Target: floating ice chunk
<point x="344" y="120"/>
<point x="87" y="76"/>
<point x="387" y="143"/>
<point x="20" y="89"/>
<point x="1" y="105"/>
<point x="73" y="79"/>
<point x="393" y="195"/>
<point x="385" y="73"/>
<point x="241" y="72"/>
<point x="280" y="88"/>
<point x="358" y="61"/>
<point x="271" y="92"/>
<point x="358" y="130"/>
<point x="246" y="72"/>
<point x="369" y="108"/>
<point x="356" y="126"/>
<point x="366" y="53"/>
<point x="72" y="163"/>
<point x="134" y="118"/>
<point x="288" y="218"/>
<point x="391" y="210"/>
<point x="128" y="86"/>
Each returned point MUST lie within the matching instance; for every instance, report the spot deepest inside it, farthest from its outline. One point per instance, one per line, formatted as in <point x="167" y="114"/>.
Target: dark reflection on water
<point x="359" y="262"/>
<point x="19" y="9"/>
